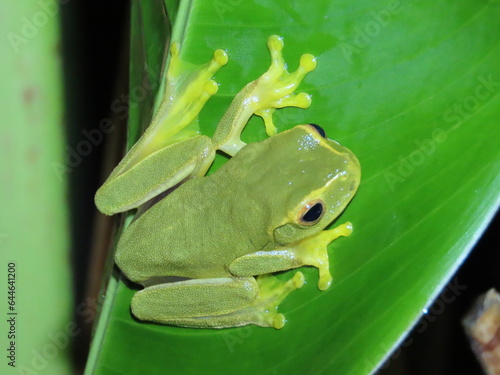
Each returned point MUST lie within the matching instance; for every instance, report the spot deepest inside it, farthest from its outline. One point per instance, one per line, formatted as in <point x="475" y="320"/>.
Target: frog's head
<point x="311" y="182"/>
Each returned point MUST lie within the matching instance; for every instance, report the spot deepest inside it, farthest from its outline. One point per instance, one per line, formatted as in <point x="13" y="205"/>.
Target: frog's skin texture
<point x="206" y="251"/>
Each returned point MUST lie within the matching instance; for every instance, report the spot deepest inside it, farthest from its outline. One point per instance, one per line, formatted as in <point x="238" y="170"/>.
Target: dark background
<point x="95" y="40"/>
<point x="95" y="55"/>
<point x="442" y="347"/>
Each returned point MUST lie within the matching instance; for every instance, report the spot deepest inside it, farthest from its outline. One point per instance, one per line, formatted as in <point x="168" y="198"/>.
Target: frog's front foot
<point x="276" y="87"/>
<point x="313" y="251"/>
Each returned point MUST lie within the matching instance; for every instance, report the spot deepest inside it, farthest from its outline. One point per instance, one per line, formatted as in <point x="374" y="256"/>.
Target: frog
<point x="207" y="248"/>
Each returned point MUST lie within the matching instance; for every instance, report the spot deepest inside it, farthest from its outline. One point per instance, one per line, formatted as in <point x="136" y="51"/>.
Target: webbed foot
<point x="271" y="293"/>
<point x="276" y="87"/>
<point x="313" y="251"/>
<point x="188" y="88"/>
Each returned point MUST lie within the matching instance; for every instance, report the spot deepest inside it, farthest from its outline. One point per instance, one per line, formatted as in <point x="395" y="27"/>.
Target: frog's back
<point x="198" y="230"/>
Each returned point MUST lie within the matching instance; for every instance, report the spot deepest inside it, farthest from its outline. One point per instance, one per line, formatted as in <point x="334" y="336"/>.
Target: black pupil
<point x="319" y="129"/>
<point x="313" y="213"/>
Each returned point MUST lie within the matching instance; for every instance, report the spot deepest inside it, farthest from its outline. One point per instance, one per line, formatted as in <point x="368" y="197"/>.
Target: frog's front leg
<point x="216" y="303"/>
<point x="274" y="89"/>
<point x="311" y="251"/>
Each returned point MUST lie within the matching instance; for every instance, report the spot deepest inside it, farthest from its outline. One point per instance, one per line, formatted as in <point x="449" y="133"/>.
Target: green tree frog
<point x="204" y="247"/>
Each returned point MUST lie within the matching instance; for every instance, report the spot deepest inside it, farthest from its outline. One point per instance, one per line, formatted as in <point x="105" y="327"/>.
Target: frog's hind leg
<point x="274" y="89"/>
<point x="171" y="149"/>
<point x="188" y="87"/>
<point x="155" y="174"/>
<point x="216" y="303"/>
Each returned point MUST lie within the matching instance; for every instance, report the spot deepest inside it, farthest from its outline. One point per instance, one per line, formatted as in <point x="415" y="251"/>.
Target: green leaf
<point x="36" y="301"/>
<point x="411" y="87"/>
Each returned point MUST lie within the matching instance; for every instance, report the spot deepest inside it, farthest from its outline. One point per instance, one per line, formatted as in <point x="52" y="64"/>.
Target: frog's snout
<point x="347" y="168"/>
<point x="353" y="171"/>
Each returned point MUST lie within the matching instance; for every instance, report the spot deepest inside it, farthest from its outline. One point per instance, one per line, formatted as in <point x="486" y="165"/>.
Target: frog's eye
<point x="319" y="129"/>
<point x="311" y="213"/>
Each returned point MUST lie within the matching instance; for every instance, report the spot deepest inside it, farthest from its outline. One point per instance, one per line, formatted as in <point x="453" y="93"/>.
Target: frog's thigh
<point x="215" y="303"/>
<point x="194" y="298"/>
<point x="155" y="174"/>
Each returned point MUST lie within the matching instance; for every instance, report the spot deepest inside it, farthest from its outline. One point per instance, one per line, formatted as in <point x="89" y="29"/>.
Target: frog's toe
<point x="268" y="319"/>
<point x="211" y="87"/>
<point x="307" y="63"/>
<point x="301" y="100"/>
<point x="347" y="229"/>
<point x="279" y="321"/>
<point x="298" y="280"/>
<point x="219" y="59"/>
<point x="267" y="116"/>
<point x="275" y="43"/>
<point x="325" y="281"/>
